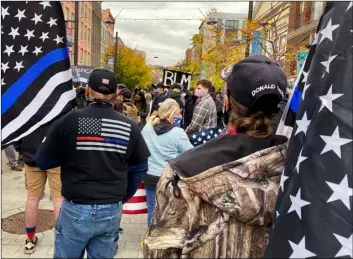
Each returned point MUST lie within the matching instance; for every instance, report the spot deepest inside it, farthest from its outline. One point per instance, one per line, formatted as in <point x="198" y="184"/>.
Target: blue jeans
<point x="91" y="227"/>
<point x="151" y="200"/>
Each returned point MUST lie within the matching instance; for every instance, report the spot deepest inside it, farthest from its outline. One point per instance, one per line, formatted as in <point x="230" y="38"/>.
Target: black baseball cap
<point x="258" y="83"/>
<point x="102" y="81"/>
<point x="126" y="93"/>
<point x="121" y="86"/>
<point x="160" y="85"/>
<point x="176" y="86"/>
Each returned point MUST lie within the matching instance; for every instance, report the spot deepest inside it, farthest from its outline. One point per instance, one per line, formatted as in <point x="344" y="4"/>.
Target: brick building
<point x="96" y="33"/>
<point x="303" y="20"/>
<point x="188" y="55"/>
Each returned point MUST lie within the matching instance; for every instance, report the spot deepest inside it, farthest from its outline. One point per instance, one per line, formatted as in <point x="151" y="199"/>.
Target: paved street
<point x="13" y="201"/>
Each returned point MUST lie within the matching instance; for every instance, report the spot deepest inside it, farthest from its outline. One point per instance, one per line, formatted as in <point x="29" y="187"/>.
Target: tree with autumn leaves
<point x="131" y="67"/>
<point x="218" y="46"/>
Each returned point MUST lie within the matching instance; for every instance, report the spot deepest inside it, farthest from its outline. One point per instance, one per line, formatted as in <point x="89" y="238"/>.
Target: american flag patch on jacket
<point x="97" y="134"/>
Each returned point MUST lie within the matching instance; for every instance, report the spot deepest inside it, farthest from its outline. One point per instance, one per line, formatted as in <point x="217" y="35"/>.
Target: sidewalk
<point x="14" y="200"/>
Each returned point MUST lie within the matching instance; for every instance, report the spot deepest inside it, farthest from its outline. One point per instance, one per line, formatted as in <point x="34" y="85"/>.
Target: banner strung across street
<point x="171" y="77"/>
<point x="81" y="73"/>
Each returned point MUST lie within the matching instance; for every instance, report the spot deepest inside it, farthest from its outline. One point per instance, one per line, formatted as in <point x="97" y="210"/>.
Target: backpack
<point x="131" y="111"/>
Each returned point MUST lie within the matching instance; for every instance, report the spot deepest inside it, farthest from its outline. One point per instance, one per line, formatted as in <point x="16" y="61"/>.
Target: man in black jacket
<point x="103" y="159"/>
<point x="161" y="96"/>
<point x="35" y="181"/>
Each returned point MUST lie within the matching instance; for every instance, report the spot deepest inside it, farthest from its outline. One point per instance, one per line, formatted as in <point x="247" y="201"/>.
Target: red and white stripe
<point x="137" y="204"/>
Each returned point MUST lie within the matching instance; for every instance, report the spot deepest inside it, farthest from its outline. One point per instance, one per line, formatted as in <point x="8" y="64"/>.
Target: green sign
<point x="301" y="57"/>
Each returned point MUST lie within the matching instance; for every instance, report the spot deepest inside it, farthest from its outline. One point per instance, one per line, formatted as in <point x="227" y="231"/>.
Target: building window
<point x="85" y="34"/>
<point x="232" y="24"/>
<point x="82" y="8"/>
<point x="72" y="16"/>
<point x="81" y="55"/>
<point x="317" y="9"/>
<point x="89" y="37"/>
<point x="81" y="32"/>
<point x="301" y="9"/>
<point x="67" y="14"/>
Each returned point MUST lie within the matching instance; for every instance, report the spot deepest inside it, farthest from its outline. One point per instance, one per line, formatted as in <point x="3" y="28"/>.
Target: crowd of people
<point x="96" y="156"/>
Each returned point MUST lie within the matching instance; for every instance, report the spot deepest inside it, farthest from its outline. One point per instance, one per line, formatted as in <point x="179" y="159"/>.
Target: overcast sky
<point x="166" y="39"/>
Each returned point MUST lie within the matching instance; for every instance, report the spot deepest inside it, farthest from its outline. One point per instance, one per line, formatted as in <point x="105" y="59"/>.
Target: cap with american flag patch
<point x="102" y="81"/>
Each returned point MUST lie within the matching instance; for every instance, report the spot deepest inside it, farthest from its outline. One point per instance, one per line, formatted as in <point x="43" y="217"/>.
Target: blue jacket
<point x="163" y="147"/>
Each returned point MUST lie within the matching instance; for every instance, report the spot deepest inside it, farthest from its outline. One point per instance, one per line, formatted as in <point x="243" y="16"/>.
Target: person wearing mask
<point x="136" y="90"/>
<point x="165" y="140"/>
<point x="176" y="95"/>
<point x="35" y="181"/>
<point x="104" y="159"/>
<point x="222" y="207"/>
<point x="205" y="112"/>
<point x="143" y="108"/>
<point x="159" y="97"/>
<point x="219" y="108"/>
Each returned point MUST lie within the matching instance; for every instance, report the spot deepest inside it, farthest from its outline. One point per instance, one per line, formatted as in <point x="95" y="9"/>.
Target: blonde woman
<point x="165" y="140"/>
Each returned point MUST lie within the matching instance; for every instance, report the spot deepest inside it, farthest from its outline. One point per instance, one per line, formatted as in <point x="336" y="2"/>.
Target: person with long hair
<point x="142" y="106"/>
<point x="165" y="140"/>
<point x="217" y="200"/>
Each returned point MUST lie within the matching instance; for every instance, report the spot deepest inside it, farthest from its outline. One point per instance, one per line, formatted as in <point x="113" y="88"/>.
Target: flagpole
<point x="76" y="34"/>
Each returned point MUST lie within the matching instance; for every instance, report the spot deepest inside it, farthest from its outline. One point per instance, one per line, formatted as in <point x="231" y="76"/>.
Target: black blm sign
<point x="171" y="77"/>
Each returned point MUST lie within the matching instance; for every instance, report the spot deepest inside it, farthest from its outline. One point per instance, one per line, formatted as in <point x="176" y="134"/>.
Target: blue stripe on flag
<point x="117" y="141"/>
<point x="20" y="86"/>
<point x="296" y="100"/>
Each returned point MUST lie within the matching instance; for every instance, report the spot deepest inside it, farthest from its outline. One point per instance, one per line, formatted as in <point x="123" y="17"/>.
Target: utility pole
<point x="116" y="52"/>
<point x="76" y="34"/>
<point x="247" y="51"/>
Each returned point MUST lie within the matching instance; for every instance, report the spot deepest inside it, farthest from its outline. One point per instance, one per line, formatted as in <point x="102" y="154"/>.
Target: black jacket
<point x="31" y="143"/>
<point x="157" y="100"/>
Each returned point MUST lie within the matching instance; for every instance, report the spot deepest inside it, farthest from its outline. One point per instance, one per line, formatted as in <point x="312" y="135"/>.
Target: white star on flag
<point x="334" y="143"/>
<point x="37" y="50"/>
<point x="23" y="50"/>
<point x="203" y="134"/>
<point x="277" y="214"/>
<point x="9" y="50"/>
<point x="283" y="179"/>
<point x="4" y="67"/>
<point x="341" y="192"/>
<point x="299" y="250"/>
<point x="29" y="34"/>
<point x="45" y="4"/>
<point x="14" y="32"/>
<point x="349" y="7"/>
<point x="327" y="63"/>
<point x="4" y="12"/>
<point x="58" y="39"/>
<point x="327" y="100"/>
<point x="194" y="136"/>
<point x="304" y="90"/>
<point x="37" y="18"/>
<point x="327" y="32"/>
<point x="297" y="204"/>
<point x="302" y="125"/>
<point x="44" y="36"/>
<point x="305" y="74"/>
<point x="346" y="244"/>
<point x="20" y="14"/>
<point x="199" y="139"/>
<point x="52" y="22"/>
<point x="2" y="82"/>
<point x="18" y="66"/>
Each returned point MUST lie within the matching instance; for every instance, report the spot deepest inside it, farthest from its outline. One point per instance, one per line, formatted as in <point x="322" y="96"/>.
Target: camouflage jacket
<point x="223" y="212"/>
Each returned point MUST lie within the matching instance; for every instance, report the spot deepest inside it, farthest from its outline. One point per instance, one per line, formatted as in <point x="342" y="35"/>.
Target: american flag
<point x="202" y="136"/>
<point x="313" y="216"/>
<point x="101" y="134"/>
<point x="137" y="204"/>
<point x="35" y="68"/>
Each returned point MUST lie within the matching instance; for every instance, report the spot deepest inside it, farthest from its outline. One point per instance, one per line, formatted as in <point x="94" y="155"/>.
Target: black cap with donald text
<point x="102" y="81"/>
<point x="257" y="83"/>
